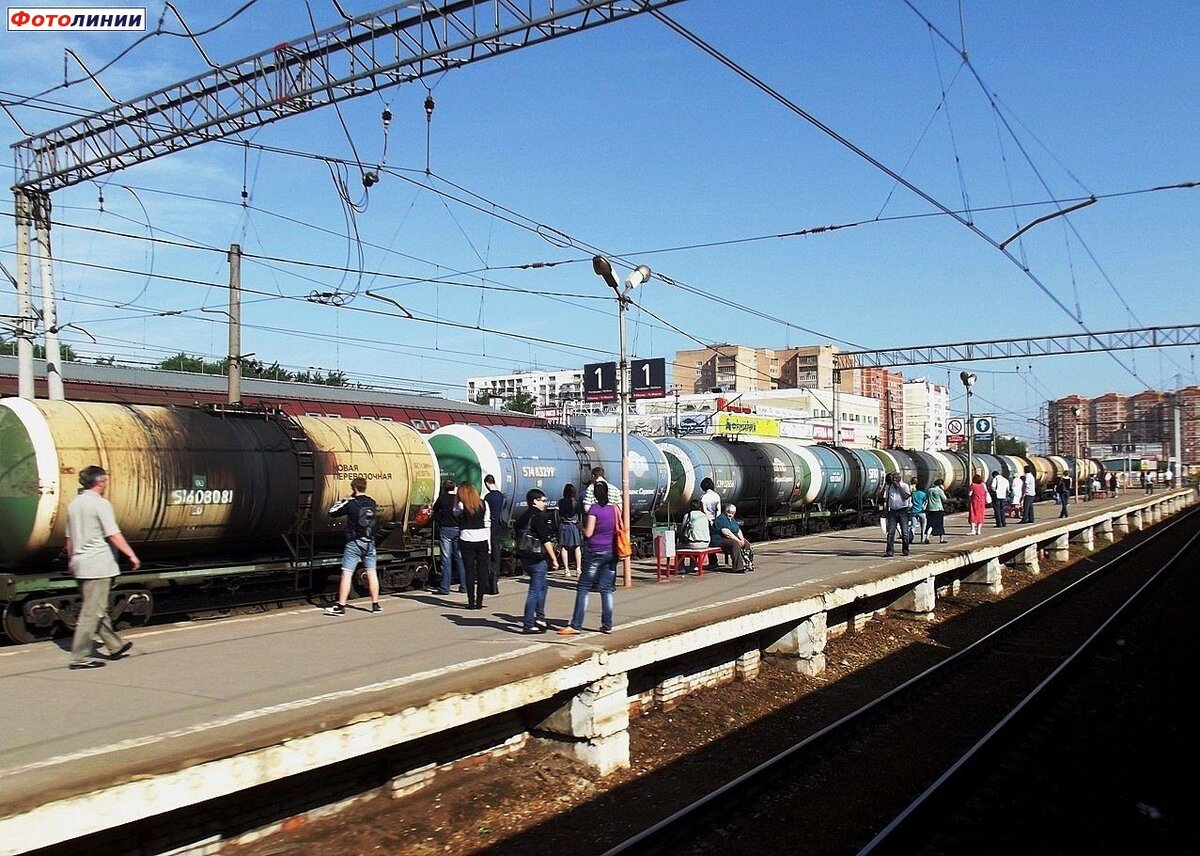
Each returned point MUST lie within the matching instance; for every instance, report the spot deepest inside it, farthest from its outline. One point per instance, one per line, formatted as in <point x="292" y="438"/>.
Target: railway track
<point x="878" y="779"/>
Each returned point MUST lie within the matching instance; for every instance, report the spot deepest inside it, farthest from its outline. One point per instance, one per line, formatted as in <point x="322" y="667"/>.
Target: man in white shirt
<point x="1030" y="489"/>
<point x="999" y="487"/>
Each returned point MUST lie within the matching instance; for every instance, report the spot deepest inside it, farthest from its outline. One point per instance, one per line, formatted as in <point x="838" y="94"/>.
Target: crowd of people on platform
<point x="590" y="530"/>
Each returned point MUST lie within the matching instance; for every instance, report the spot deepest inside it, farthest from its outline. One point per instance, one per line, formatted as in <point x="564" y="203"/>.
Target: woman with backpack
<point x="534" y="529"/>
<point x="474" y="542"/>
<point x="599" y="563"/>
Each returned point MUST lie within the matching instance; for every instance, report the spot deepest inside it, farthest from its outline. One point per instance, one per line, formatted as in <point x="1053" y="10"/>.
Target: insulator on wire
<point x="429" y="105"/>
<point x="387" y="117"/>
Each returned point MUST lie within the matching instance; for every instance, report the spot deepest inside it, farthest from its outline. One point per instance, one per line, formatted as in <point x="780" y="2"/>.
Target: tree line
<point x="184" y="362"/>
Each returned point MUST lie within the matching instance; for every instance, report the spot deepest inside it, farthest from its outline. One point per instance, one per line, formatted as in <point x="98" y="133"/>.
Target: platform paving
<point x="77" y="746"/>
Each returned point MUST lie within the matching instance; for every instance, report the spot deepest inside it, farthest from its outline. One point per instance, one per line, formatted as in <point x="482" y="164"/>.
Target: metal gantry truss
<point x="1040" y="346"/>
<point x="371" y="52"/>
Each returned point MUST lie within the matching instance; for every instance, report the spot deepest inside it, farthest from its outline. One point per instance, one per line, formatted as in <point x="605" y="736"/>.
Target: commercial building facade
<point x="548" y="388"/>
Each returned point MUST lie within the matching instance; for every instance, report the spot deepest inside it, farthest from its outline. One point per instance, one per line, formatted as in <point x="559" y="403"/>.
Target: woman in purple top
<point x="599" y="563"/>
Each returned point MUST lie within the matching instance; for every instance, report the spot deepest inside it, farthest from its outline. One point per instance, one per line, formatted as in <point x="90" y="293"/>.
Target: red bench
<point x="670" y="564"/>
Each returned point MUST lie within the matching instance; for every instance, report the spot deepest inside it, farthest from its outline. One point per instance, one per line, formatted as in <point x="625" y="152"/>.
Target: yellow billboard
<point x="742" y="424"/>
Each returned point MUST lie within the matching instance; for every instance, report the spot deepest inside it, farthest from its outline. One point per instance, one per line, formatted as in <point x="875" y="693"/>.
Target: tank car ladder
<point x="301" y="537"/>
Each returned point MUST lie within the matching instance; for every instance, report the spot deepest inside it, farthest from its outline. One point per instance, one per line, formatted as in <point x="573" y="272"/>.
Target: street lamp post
<point x="968" y="380"/>
<point x="604" y="269"/>
<point x="1075" y="411"/>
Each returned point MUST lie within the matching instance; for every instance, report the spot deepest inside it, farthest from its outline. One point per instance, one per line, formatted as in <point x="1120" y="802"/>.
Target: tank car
<point x="246" y="490"/>
<point x="549" y="459"/>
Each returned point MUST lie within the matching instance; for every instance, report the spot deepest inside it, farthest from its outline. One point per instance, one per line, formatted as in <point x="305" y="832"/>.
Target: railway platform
<point x="205" y="714"/>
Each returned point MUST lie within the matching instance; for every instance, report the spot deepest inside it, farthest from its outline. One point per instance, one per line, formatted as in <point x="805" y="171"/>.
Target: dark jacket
<point x="443" y="510"/>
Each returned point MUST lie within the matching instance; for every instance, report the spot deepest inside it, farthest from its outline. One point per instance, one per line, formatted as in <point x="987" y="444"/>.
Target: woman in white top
<point x="696" y="534"/>
<point x="710" y="503"/>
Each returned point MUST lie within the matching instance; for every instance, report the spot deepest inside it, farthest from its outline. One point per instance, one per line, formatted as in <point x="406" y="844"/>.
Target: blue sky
<point x="629" y="139"/>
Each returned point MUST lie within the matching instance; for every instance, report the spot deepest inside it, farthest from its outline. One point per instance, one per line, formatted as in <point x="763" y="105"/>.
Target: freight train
<point x="227" y="505"/>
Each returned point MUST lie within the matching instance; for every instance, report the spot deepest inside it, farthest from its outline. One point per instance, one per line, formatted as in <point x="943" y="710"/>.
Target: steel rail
<point x="900" y="819"/>
<point x="668" y="827"/>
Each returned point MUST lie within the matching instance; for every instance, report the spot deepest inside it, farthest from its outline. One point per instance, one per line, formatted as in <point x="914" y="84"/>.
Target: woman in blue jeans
<point x="599" y="563"/>
<point x="538" y="521"/>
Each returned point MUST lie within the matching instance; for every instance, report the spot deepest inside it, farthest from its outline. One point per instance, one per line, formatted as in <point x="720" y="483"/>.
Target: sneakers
<point x="87" y="664"/>
<point x="376" y="608"/>
<point x="336" y="609"/>
<point x="121" y="652"/>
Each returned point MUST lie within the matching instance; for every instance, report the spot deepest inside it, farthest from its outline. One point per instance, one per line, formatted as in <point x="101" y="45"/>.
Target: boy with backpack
<point x="360" y="512"/>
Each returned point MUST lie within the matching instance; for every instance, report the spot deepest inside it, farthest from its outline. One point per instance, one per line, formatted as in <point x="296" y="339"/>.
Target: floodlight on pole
<point x="1076" y="412"/>
<point x="603" y="268"/>
<point x="968" y="380"/>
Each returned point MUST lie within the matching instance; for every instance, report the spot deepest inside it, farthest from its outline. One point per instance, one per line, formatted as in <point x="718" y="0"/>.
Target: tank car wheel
<point x="359" y="582"/>
<point x="20" y="631"/>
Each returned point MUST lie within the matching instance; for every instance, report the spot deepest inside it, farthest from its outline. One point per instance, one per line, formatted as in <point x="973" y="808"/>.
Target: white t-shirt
<point x="710" y="501"/>
<point x="999" y="486"/>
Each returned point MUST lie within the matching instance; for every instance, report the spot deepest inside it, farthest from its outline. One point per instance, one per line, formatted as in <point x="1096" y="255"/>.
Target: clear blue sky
<point x="629" y="139"/>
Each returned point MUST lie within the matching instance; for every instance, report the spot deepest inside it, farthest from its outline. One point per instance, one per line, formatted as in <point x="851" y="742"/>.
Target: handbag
<point x="528" y="545"/>
<point x="622" y="548"/>
<point x="747" y="559"/>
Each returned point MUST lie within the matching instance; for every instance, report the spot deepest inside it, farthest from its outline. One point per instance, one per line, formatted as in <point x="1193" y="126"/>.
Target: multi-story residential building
<point x="810" y="366"/>
<point x="1063" y="422"/>
<point x="926" y="409"/>
<point x="1189" y="416"/>
<point x="1108" y="416"/>
<point x="726" y="367"/>
<point x="548" y="388"/>
<point x="887" y="387"/>
<point x="1148" y="414"/>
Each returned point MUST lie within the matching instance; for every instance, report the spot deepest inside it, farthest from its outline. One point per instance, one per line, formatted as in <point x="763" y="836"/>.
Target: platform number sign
<point x="600" y="382"/>
<point x="648" y="378"/>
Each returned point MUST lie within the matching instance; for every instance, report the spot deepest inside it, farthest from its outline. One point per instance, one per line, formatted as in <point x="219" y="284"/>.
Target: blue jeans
<point x="898" y="520"/>
<point x="450" y="552"/>
<point x="998" y="507"/>
<point x="535" y="600"/>
<point x="359" y="551"/>
<point x="596" y="566"/>
<point x="1027" y="510"/>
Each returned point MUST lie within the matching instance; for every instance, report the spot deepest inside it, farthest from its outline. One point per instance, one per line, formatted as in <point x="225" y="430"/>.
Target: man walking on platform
<point x="999" y="488"/>
<point x="91" y="528"/>
<point x="898" y="501"/>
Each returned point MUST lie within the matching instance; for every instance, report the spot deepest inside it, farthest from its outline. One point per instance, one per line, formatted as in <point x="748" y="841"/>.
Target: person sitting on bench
<point x="693" y="531"/>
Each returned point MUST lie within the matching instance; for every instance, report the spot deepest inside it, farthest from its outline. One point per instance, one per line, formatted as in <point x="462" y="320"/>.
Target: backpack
<point x="362" y="522"/>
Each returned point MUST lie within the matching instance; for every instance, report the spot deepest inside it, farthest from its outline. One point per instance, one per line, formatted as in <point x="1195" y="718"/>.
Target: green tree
<point x="484" y="397"/>
<point x="522" y="402"/>
<point x="182" y="362"/>
<point x="9" y="348"/>
<point x="1011" y="446"/>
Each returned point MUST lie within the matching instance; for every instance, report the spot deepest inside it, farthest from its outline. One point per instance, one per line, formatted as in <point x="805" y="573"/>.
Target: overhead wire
<point x="775" y="94"/>
<point x="989" y="95"/>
